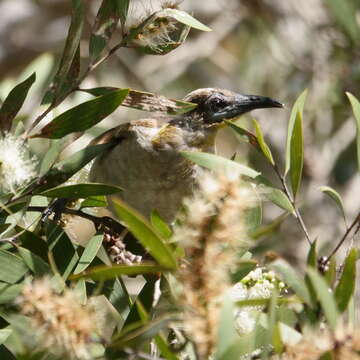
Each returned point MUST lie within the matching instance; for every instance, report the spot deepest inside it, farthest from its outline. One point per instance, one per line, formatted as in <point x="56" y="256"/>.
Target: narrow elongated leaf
<point x="356" y="109"/>
<point x="35" y="263"/>
<point x="292" y="279"/>
<point x="345" y="289"/>
<point x="160" y="225"/>
<point x="184" y="18"/>
<point x="298" y="107"/>
<point x="81" y="191"/>
<point x="14" y="102"/>
<point x="89" y="253"/>
<point x="296" y="154"/>
<point x="247" y="135"/>
<point x="66" y="168"/>
<point x="263" y="146"/>
<point x="325" y="296"/>
<point x="4" y="334"/>
<point x="67" y="63"/>
<point x="12" y="267"/>
<point x="106" y="20"/>
<point x="219" y="163"/>
<point x="164" y="348"/>
<point x="143" y="231"/>
<point x="270" y="228"/>
<point x="52" y="155"/>
<point x="83" y="116"/>
<point x="333" y="194"/>
<point x="9" y="293"/>
<point x="147" y="101"/>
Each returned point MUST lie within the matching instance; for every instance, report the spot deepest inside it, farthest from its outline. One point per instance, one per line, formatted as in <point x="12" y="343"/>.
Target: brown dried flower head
<point x="64" y="326"/>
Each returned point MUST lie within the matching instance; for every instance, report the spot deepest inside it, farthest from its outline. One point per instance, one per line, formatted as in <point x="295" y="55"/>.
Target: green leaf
<point x="4" y="334"/>
<point x="184" y="18"/>
<point x="35" y="263"/>
<point x="105" y="24"/>
<point x="94" y="201"/>
<point x="62" y="80"/>
<point x="325" y="296"/>
<point x="356" y="109"/>
<point x="81" y="191"/>
<point x="253" y="217"/>
<point x="219" y="163"/>
<point x="263" y="146"/>
<point x="164" y="348"/>
<point x="245" y="134"/>
<point x="243" y="267"/>
<point x="160" y="225"/>
<point x="226" y="329"/>
<point x="292" y="279"/>
<point x="270" y="228"/>
<point x="346" y="287"/>
<point x="146" y="101"/>
<point x="333" y="194"/>
<point x="83" y="116"/>
<point x="89" y="253"/>
<point x="12" y="267"/>
<point x="146" y="235"/>
<point x="273" y="194"/>
<point x="9" y="293"/>
<point x="297" y="108"/>
<point x="51" y="155"/>
<point x="110" y="272"/>
<point x="66" y="168"/>
<point x="13" y="103"/>
<point x="296" y="154"/>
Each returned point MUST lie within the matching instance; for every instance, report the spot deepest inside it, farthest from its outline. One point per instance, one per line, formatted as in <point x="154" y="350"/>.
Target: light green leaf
<point x="13" y="103"/>
<point x="160" y="225"/>
<point x="35" y="263"/>
<point x="346" y="287"/>
<point x="333" y="194"/>
<point x="89" y="253"/>
<point x="325" y="296"/>
<point x="219" y="164"/>
<point x="356" y="109"/>
<point x="270" y="228"/>
<point x="245" y="134"/>
<point x="296" y="154"/>
<point x="263" y="146"/>
<point x="81" y="191"/>
<point x="297" y="108"/>
<point x="146" y="235"/>
<point x="4" y="334"/>
<point x="12" y="267"/>
<point x="94" y="201"/>
<point x="83" y="116"/>
<point x="9" y="293"/>
<point x="184" y="18"/>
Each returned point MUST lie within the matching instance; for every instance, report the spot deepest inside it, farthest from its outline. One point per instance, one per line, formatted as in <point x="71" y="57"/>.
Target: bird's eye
<point x="217" y="103"/>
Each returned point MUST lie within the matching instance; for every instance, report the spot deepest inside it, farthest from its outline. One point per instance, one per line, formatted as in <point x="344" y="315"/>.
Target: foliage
<point x="276" y="306"/>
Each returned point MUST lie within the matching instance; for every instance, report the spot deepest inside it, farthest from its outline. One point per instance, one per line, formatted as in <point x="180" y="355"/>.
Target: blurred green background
<point x="275" y="48"/>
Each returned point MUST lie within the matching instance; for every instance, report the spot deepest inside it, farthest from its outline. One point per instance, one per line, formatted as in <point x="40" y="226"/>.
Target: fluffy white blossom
<point x="17" y="166"/>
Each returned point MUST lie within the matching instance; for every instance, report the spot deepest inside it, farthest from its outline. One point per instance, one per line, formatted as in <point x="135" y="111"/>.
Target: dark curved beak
<point x="243" y="104"/>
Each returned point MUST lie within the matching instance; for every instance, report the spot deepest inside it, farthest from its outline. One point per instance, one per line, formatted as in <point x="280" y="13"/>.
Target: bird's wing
<point x="115" y="134"/>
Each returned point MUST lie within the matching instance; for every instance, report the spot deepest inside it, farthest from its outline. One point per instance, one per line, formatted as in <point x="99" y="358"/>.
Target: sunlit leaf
<point x="35" y="263"/>
<point x="160" y="225"/>
<point x="83" y="116"/>
<point x="297" y="108"/>
<point x="334" y="195"/>
<point x="263" y="146"/>
<point x="94" y="201"/>
<point x="219" y="164"/>
<point x="12" y="267"/>
<point x="356" y="109"/>
<point x="13" y="103"/>
<point x="346" y="286"/>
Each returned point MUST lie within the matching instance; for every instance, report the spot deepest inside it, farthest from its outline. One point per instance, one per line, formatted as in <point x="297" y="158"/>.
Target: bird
<point x="146" y="161"/>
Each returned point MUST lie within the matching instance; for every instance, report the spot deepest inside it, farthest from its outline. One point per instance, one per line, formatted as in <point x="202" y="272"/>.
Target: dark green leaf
<point x="297" y="108"/>
<point x="325" y="296"/>
<point x="94" y="201"/>
<point x="346" y="287"/>
<point x="356" y="109"/>
<point x="245" y="134"/>
<point x="263" y="146"/>
<point x="312" y="255"/>
<point x="66" y="168"/>
<point x="148" y="101"/>
<point x="83" y="116"/>
<point x="105" y="24"/>
<point x="333" y="194"/>
<point x="111" y="272"/>
<point x="242" y="269"/>
<point x="14" y="102"/>
<point x="219" y="163"/>
<point x="89" y="253"/>
<point x="270" y="228"/>
<point x="146" y="235"/>
<point x="12" y="267"/>
<point x="160" y="225"/>
<point x="296" y="154"/>
<point x="81" y="191"/>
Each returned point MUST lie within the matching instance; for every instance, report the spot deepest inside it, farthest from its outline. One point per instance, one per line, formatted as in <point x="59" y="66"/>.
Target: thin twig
<point x="298" y="216"/>
<point x="347" y="232"/>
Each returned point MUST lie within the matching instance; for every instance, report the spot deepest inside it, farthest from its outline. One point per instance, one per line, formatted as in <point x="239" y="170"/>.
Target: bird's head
<point x="216" y="105"/>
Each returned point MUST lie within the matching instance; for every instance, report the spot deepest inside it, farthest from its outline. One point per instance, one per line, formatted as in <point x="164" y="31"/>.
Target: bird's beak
<point x="243" y="104"/>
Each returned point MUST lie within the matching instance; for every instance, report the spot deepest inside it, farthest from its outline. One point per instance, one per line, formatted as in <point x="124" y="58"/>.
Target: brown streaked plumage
<point x="145" y="160"/>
